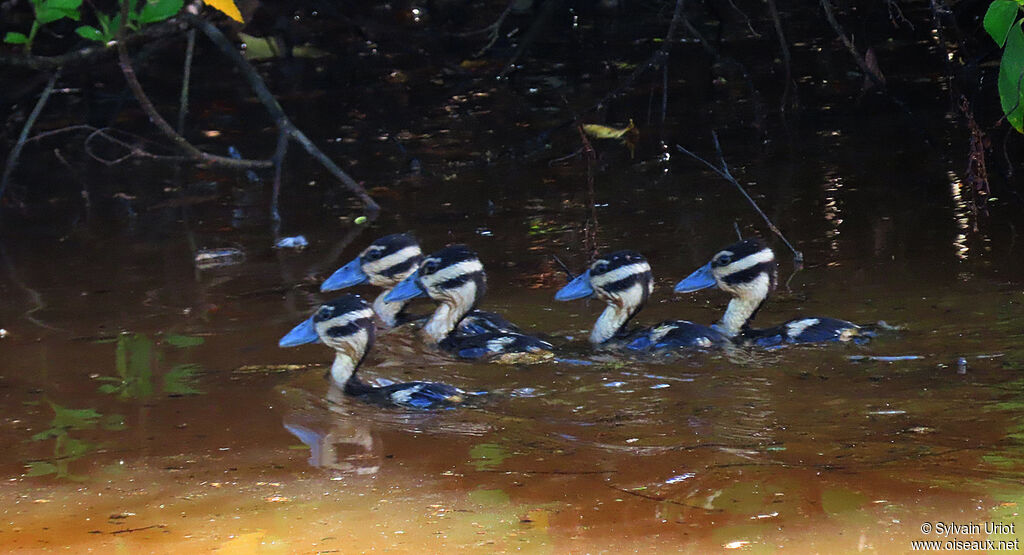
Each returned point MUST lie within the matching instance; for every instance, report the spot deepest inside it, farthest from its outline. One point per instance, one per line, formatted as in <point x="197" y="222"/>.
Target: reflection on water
<point x="134" y="421"/>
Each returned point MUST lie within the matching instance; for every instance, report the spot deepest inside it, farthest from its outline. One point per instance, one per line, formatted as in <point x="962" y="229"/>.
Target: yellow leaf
<point x="605" y="132"/>
<point x="228" y="7"/>
<point x="629" y="135"/>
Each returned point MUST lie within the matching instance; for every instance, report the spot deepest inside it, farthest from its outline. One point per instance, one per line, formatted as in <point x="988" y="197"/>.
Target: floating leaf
<point x="604" y="132"/>
<point x="1011" y="84"/>
<point x="40" y="468"/>
<point x="73" y="419"/>
<point x="488" y="497"/>
<point x="183" y="341"/>
<point x="180" y="380"/>
<point x="228" y="7"/>
<point x="999" y="18"/>
<point x="487" y="455"/>
<point x="629" y="135"/>
<point x="15" y="38"/>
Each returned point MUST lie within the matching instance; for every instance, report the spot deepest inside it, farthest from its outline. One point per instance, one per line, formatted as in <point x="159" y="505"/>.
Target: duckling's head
<point x="623" y="280"/>
<point x="385" y="263"/>
<point x="453" y="276"/>
<point x="746" y="270"/>
<point x="345" y="325"/>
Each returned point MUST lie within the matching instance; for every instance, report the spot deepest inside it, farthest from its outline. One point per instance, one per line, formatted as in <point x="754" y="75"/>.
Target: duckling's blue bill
<point x="408" y="289"/>
<point x="300" y="335"/>
<point x="578" y="288"/>
<point x="348" y="275"/>
<point x="701" y="279"/>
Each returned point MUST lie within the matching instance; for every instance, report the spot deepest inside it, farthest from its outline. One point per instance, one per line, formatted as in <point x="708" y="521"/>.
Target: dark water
<point x="148" y="408"/>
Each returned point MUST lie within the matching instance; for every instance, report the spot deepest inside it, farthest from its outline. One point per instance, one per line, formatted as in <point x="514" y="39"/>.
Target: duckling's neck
<point x="747" y="298"/>
<point x="609" y="323"/>
<point x="388" y="312"/>
<point x="620" y="310"/>
<point x="343" y="369"/>
<point x="444" y="320"/>
<point x="456" y="304"/>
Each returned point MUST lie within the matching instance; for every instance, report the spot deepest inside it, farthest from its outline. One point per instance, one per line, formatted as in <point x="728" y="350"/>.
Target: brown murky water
<point x="141" y="414"/>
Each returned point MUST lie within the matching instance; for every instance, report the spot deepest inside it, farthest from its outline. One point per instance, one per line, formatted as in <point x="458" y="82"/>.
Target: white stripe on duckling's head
<point x="390" y="259"/>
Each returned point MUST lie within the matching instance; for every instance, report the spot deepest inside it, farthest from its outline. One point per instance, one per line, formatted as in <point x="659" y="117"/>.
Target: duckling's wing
<point x="479" y="322"/>
<point x="807" y="330"/>
<point x="677" y="334"/>
<point x="491" y="344"/>
<point x="421" y="395"/>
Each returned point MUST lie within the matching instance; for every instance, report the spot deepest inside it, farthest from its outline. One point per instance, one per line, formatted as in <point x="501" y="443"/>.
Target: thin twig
<point x="186" y="77"/>
<point x="494" y="29"/>
<point x="564" y="268"/>
<point x="279" y="154"/>
<point x="12" y="159"/>
<point x="724" y="172"/>
<point x="663" y="499"/>
<point x="786" y="58"/>
<point x="591" y="228"/>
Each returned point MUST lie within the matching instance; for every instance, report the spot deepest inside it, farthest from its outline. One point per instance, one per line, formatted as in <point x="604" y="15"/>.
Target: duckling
<point x="455" y="278"/>
<point x="385" y="263"/>
<point x="624" y="282"/>
<point x="747" y="270"/>
<point x="346" y="325"/>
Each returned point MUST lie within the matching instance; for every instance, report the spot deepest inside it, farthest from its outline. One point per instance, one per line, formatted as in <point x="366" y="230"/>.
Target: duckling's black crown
<point x="451" y="268"/>
<point x="618" y="271"/>
<point x="392" y="255"/>
<point x="345" y="316"/>
<point x="744" y="261"/>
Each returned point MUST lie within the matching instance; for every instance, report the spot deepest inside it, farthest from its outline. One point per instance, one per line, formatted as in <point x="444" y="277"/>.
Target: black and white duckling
<point x="385" y="263"/>
<point x="454" y="278"/>
<point x="624" y="282"/>
<point x="747" y="270"/>
<point x="346" y="325"/>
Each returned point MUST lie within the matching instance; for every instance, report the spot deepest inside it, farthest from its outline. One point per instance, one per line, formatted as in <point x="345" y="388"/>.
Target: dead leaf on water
<point x="271" y="368"/>
<point x="628" y="135"/>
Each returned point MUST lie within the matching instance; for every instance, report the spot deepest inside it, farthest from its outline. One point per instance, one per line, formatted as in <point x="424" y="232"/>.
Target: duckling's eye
<point x="428" y="267"/>
<point x="600" y="267"/>
<point x="373" y="255"/>
<point x="723" y="259"/>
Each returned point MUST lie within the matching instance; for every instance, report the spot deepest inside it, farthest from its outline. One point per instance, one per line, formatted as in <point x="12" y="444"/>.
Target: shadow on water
<point x="149" y="408"/>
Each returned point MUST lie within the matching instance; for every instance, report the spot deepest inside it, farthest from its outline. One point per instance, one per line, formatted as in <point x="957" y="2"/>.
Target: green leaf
<point x="159" y="10"/>
<point x="91" y="33"/>
<point x="1011" y="84"/>
<point x="40" y="468"/>
<point x="73" y="419"/>
<point x="66" y="5"/>
<point x="1000" y="16"/>
<point x="15" y="38"/>
<point x="183" y="341"/>
<point x="48" y="11"/>
<point x="180" y="380"/>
